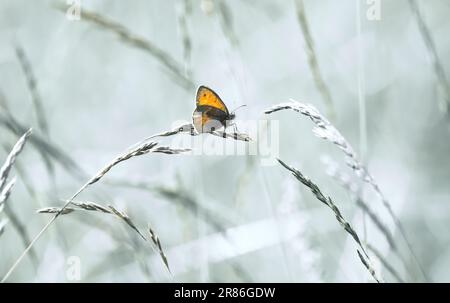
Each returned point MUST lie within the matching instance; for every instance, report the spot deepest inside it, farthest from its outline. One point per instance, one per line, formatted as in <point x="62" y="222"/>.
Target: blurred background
<point x="94" y="77"/>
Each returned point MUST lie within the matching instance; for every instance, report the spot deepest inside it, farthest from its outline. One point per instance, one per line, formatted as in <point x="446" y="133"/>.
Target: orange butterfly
<point x="211" y="113"/>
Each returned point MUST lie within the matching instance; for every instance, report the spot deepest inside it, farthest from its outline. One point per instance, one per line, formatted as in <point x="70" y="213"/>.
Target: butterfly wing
<point x="207" y="97"/>
<point x="208" y="119"/>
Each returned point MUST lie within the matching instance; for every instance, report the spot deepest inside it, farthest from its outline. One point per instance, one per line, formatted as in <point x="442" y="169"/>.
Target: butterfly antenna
<point x="243" y="105"/>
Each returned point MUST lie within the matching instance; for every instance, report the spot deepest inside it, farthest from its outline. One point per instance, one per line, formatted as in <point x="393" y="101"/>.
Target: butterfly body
<point x="210" y="113"/>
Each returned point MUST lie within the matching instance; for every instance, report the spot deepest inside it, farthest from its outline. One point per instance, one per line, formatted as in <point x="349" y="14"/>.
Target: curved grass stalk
<point x="325" y="130"/>
<point x="364" y="257"/>
<point x="150" y="147"/>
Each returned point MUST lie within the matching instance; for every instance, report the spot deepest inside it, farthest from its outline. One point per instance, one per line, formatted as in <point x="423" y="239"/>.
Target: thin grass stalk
<point x="5" y="192"/>
<point x="11" y="158"/>
<point x="226" y="22"/>
<point x="123" y="216"/>
<point x="185" y="11"/>
<point x="21" y="230"/>
<point x="135" y="252"/>
<point x="271" y="203"/>
<point x="46" y="149"/>
<point x="95" y="207"/>
<point x="138" y="42"/>
<point x="155" y="239"/>
<point x="23" y="177"/>
<point x="438" y="67"/>
<point x="9" y="122"/>
<point x="194" y="207"/>
<point x="3" y="104"/>
<point x="312" y="59"/>
<point x="190" y="129"/>
<point x="361" y="97"/>
<point x="141" y="150"/>
<point x="352" y="188"/>
<point x="180" y="196"/>
<point x="14" y="219"/>
<point x="385" y="263"/>
<point x="2" y="226"/>
<point x="377" y="222"/>
<point x="325" y="130"/>
<point x="37" y="105"/>
<point x="365" y="259"/>
<point x="32" y="86"/>
<point x="6" y="187"/>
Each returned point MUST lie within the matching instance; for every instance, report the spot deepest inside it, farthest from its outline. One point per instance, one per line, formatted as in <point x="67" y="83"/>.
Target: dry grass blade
<point x="180" y="197"/>
<point x="312" y="58"/>
<point x="181" y="129"/>
<point x="3" y="104"/>
<point x="5" y="186"/>
<point x="377" y="222"/>
<point x="6" y="191"/>
<point x="47" y="150"/>
<point x="56" y="210"/>
<point x="190" y="129"/>
<point x="89" y="206"/>
<point x="183" y="198"/>
<point x="385" y="263"/>
<point x="21" y="229"/>
<point x="92" y="206"/>
<point x="325" y="130"/>
<point x="23" y="176"/>
<point x="37" y="102"/>
<point x="6" y="168"/>
<point x="226" y="22"/>
<point x="185" y="11"/>
<point x="141" y="150"/>
<point x="77" y="206"/>
<point x="433" y="54"/>
<point x="138" y="151"/>
<point x="135" y="41"/>
<point x="126" y="219"/>
<point x="368" y="266"/>
<point x="186" y="200"/>
<point x="345" y="181"/>
<point x="32" y="86"/>
<point x="2" y="226"/>
<point x="4" y="195"/>
<point x="352" y="188"/>
<point x="235" y="136"/>
<point x="157" y="242"/>
<point x="330" y="204"/>
<point x="170" y="151"/>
